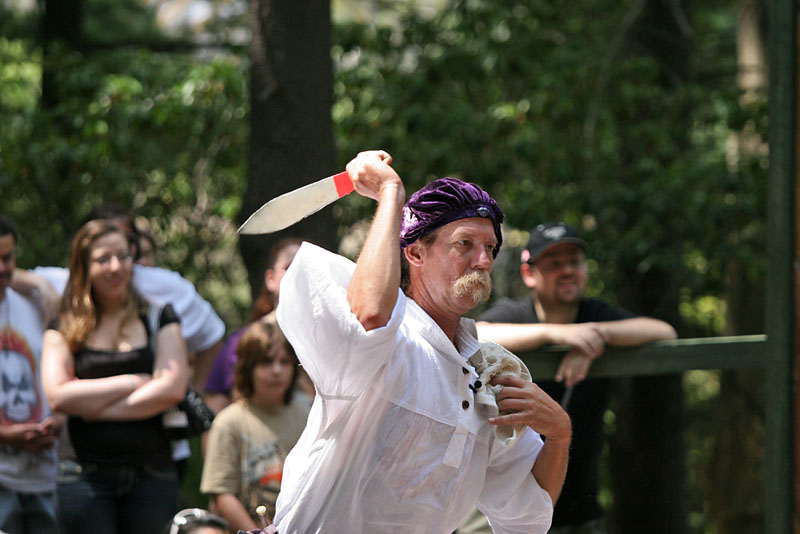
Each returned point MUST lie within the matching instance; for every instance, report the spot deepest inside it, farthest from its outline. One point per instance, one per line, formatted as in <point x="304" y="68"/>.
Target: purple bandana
<point x="443" y="201"/>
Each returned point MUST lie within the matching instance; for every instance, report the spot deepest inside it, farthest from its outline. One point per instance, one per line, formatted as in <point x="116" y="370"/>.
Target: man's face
<point x="8" y="260"/>
<point x="559" y="275"/>
<point x="456" y="267"/>
<point x="274" y="275"/>
<point x="147" y="253"/>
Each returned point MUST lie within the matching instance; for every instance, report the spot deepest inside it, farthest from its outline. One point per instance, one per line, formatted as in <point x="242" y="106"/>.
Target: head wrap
<point x="446" y="200"/>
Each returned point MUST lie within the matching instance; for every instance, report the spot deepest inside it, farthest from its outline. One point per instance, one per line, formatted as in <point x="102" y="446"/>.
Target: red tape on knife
<point x="344" y="185"/>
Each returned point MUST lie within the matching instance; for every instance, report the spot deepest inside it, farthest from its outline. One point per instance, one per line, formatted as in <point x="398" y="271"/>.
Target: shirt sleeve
<point x="220" y="379"/>
<point x="201" y="327"/>
<point x="167" y="316"/>
<point x="222" y="465"/>
<point x="313" y="312"/>
<point x="511" y="499"/>
<point x="57" y="276"/>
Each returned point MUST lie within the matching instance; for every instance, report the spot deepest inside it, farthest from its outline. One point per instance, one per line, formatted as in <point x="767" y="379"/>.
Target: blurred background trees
<point x="640" y="122"/>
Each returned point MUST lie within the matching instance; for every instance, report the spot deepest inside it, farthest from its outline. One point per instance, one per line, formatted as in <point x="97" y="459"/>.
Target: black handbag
<point x="190" y="417"/>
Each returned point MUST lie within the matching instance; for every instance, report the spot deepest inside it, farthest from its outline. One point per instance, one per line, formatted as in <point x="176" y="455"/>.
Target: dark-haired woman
<point x="114" y="375"/>
<point x="250" y="439"/>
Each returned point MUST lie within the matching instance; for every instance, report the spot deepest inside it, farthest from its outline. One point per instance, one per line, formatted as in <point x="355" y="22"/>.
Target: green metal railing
<point x="661" y="357"/>
<point x="677" y="356"/>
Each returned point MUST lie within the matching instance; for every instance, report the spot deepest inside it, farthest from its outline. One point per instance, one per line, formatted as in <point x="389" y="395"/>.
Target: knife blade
<point x="289" y="208"/>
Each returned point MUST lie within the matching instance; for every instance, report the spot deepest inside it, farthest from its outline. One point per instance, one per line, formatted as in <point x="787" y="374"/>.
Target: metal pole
<point x="780" y="232"/>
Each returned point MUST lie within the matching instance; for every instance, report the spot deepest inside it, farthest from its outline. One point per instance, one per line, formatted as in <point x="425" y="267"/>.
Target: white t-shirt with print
<point x="22" y="399"/>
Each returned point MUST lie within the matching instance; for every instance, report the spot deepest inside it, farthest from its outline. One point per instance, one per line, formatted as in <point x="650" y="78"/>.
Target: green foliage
<point x="536" y="102"/>
<point x="112" y="20"/>
<point x="553" y="107"/>
<point x="701" y="389"/>
<point x="563" y="114"/>
<point x="163" y="134"/>
<point x="16" y="21"/>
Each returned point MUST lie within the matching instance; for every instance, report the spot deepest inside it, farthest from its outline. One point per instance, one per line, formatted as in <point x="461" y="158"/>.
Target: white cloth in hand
<point x="491" y="361"/>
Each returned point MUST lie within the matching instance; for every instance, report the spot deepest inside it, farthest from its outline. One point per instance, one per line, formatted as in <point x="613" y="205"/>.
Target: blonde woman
<point x="104" y="367"/>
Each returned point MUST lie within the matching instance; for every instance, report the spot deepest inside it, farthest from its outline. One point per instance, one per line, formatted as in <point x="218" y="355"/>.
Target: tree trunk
<point x="291" y="130"/>
<point x="736" y="504"/>
<point x="647" y="450"/>
<point x="62" y="25"/>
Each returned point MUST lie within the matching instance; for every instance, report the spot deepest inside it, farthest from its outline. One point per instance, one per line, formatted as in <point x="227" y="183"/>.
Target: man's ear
<point x="414" y="254"/>
<point x="526" y="272"/>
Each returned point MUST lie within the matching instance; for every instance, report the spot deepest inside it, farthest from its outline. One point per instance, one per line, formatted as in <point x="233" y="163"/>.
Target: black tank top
<point x="137" y="442"/>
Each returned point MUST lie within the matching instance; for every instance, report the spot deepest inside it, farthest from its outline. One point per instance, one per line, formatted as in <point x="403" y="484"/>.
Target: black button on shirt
<point x="465" y="404"/>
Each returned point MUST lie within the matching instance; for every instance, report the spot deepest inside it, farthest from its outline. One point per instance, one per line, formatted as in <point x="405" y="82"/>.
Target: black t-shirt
<point x="138" y="442"/>
<point x="578" y="501"/>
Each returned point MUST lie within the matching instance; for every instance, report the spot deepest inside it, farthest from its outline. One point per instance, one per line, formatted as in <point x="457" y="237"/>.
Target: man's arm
<point x="39" y="290"/>
<point x="372" y="292"/>
<point x="521" y="337"/>
<point x="530" y="405"/>
<point x="232" y="509"/>
<point x="636" y="331"/>
<point x="588" y="338"/>
<point x="550" y="468"/>
<point x="31" y="437"/>
<point x="587" y="341"/>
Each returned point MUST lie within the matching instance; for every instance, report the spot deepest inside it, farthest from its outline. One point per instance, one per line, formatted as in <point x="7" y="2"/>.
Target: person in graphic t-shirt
<point x="28" y="431"/>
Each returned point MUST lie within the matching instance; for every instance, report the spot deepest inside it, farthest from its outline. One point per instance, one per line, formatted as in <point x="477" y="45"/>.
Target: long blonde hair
<point x="79" y="311"/>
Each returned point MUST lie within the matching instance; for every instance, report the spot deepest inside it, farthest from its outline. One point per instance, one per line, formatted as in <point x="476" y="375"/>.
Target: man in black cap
<point x="400" y="437"/>
<point x="557" y="312"/>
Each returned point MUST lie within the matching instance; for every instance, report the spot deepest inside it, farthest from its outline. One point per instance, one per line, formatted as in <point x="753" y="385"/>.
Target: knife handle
<point x="344" y="185"/>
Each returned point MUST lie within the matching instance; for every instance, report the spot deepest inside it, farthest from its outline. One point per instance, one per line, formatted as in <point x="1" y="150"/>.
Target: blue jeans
<point x="115" y="499"/>
<point x="27" y="513"/>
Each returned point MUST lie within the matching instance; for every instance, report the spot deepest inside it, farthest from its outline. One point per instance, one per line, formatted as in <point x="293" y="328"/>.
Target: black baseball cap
<point x="549" y="235"/>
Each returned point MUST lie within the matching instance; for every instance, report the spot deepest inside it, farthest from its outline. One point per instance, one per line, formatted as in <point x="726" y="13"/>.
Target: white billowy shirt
<point x="394" y="441"/>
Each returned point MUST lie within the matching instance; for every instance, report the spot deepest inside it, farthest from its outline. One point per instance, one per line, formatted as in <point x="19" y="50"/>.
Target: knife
<point x="289" y="208"/>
